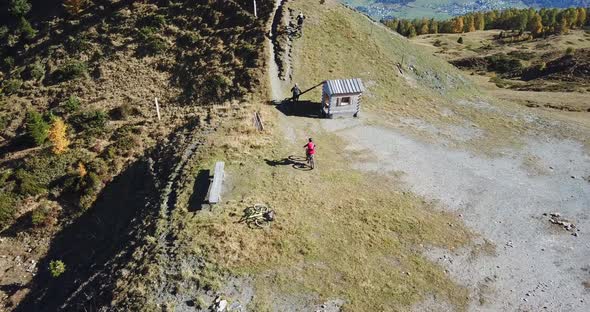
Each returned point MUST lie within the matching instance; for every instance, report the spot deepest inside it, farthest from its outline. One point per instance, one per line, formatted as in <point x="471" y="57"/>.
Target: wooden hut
<point x="342" y="97"/>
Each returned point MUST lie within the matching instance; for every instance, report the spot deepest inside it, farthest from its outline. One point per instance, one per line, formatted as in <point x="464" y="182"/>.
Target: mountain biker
<point x="309" y="148"/>
<point x="296" y="92"/>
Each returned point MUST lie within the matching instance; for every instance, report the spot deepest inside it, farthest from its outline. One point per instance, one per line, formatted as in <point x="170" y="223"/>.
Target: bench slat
<point x="215" y="190"/>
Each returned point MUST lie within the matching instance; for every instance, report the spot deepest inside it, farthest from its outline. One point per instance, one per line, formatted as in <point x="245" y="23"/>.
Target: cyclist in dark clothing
<point x="296" y="92"/>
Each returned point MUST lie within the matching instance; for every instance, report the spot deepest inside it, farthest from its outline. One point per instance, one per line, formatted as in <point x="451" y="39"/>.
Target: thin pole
<point x="255" y="13"/>
<point x="158" y="109"/>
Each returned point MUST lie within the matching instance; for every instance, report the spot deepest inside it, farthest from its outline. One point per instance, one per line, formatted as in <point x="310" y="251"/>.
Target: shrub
<point x="437" y="43"/>
<point x="75" y="7"/>
<point x="19" y="8"/>
<point x="26" y="29"/>
<point x="41" y="216"/>
<point x="460" y="40"/>
<point x="28" y="184"/>
<point x="37" y="128"/>
<point x="3" y="31"/>
<point x="71" y="70"/>
<point x="90" y="186"/>
<point x="7" y="208"/>
<point x="569" y="51"/>
<point x="11" y="86"/>
<point x="122" y="112"/>
<point x="153" y="20"/>
<point x="151" y="43"/>
<point x="72" y="104"/>
<point x="8" y="63"/>
<point x="57" y="268"/>
<point x="93" y="122"/>
<point x="77" y="44"/>
<point x="36" y="71"/>
<point x="58" y="136"/>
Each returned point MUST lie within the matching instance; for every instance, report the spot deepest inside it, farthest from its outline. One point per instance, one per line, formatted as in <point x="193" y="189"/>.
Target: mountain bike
<point x="311" y="160"/>
<point x="258" y="216"/>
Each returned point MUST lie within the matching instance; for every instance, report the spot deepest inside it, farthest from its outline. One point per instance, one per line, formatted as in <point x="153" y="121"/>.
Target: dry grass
<point x="338" y="234"/>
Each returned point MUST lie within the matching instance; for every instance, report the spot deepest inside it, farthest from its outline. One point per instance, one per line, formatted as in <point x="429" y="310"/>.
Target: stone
<point x="221" y="306"/>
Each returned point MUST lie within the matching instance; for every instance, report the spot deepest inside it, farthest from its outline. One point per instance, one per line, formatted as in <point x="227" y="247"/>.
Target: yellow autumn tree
<point x="75" y="7"/>
<point x="82" y="172"/>
<point x="458" y="25"/>
<point x="58" y="136"/>
<point x="536" y="25"/>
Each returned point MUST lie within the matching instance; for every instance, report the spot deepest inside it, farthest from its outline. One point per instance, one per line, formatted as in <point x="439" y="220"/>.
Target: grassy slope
<point x="339" y="233"/>
<point x="481" y="43"/>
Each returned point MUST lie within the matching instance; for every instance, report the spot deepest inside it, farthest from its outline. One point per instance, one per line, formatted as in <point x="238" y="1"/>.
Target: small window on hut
<point x="344" y="101"/>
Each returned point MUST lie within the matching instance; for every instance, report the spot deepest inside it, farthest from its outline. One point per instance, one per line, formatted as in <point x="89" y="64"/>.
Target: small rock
<point x="555" y="214"/>
<point x="221" y="306"/>
<point x="528" y="295"/>
<point x="509" y="244"/>
<point x="573" y="177"/>
<point x="575" y="234"/>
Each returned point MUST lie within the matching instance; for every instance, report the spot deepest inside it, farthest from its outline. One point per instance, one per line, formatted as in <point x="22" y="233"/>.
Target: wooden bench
<point x="215" y="187"/>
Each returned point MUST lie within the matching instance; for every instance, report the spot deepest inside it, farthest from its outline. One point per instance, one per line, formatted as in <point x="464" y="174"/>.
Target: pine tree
<point x="470" y="24"/>
<point x="412" y="31"/>
<point x="58" y="136"/>
<point x="424" y="29"/>
<point x="582" y="16"/>
<point x="480" y="23"/>
<point x="19" y="8"/>
<point x="433" y="26"/>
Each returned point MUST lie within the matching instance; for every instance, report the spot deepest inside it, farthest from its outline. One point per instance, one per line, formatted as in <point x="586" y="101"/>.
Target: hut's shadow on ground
<point x="297" y="162"/>
<point x="307" y="109"/>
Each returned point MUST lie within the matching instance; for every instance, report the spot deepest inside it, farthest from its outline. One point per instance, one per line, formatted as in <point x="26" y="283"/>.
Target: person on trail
<point x="296" y="92"/>
<point x="309" y="148"/>
<point x="309" y="153"/>
<point x="300" y="19"/>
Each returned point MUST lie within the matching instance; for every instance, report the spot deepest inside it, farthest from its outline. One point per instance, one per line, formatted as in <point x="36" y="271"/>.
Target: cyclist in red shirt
<point x="310" y="152"/>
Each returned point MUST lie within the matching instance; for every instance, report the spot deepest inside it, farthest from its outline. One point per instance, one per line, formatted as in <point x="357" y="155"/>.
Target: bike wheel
<point x="312" y="162"/>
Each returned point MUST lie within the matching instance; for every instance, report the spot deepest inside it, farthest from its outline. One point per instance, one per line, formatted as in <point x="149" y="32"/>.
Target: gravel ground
<point x="536" y="265"/>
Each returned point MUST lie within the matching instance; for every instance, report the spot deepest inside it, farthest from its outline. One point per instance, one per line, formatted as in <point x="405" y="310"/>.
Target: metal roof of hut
<point x="345" y="86"/>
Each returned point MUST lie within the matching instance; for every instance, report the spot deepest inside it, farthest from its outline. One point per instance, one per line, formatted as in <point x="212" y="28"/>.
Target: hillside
<point x="544" y="72"/>
<point x="98" y="72"/>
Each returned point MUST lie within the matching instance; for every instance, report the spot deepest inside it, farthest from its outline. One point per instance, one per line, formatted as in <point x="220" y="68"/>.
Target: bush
<point x="37" y="128"/>
<point x="19" y="8"/>
<point x="569" y="51"/>
<point x="70" y="70"/>
<point x="3" y="31"/>
<point x="57" y="268"/>
<point x="71" y="105"/>
<point x="36" y="71"/>
<point x="460" y="40"/>
<point x="93" y="122"/>
<point x="11" y="86"/>
<point x="42" y="216"/>
<point x="77" y="44"/>
<point x="122" y="112"/>
<point x="503" y="63"/>
<point x="8" y="63"/>
<point x="151" y="43"/>
<point x="7" y="208"/>
<point x="28" y="184"/>
<point x="153" y="20"/>
<point x="26" y="29"/>
<point x="90" y="185"/>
